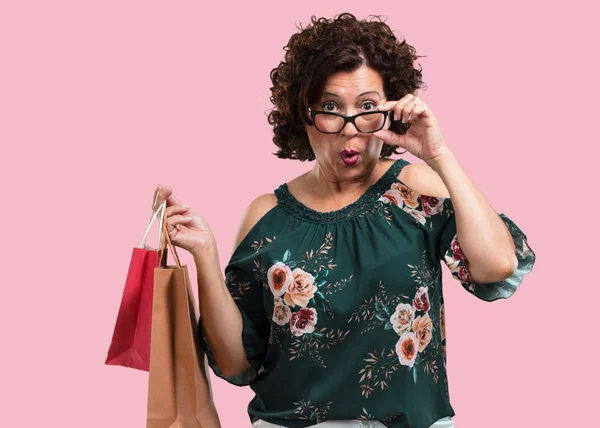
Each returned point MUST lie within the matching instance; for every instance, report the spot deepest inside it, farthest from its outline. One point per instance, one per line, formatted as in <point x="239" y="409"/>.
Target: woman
<point x="332" y="307"/>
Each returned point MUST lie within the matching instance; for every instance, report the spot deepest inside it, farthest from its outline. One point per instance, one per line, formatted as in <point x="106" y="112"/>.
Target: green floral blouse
<point x="343" y="311"/>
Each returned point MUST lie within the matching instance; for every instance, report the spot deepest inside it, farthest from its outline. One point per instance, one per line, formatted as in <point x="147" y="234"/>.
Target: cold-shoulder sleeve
<point x="450" y="252"/>
<point x="246" y="289"/>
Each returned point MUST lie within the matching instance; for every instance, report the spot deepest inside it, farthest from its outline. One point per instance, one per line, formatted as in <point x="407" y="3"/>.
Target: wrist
<point x="438" y="162"/>
<point x="205" y="253"/>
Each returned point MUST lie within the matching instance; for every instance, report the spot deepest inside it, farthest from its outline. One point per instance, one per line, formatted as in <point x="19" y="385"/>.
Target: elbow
<point x="514" y="265"/>
<point x="231" y="366"/>
<point x="508" y="268"/>
<point x="505" y="270"/>
<point x="230" y="369"/>
<point x="496" y="273"/>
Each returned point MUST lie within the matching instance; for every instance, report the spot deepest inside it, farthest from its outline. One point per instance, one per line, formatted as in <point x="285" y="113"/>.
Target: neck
<point x="327" y="184"/>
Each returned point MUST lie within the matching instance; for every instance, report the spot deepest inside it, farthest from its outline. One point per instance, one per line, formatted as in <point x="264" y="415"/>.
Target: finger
<point x="174" y="220"/>
<point x="162" y="194"/>
<point x="392" y="104"/>
<point x="177" y="209"/>
<point x="399" y="106"/>
<point x="418" y="109"/>
<point x="390" y="137"/>
<point x="388" y="105"/>
<point x="423" y="110"/>
<point x="155" y="197"/>
<point x="407" y="111"/>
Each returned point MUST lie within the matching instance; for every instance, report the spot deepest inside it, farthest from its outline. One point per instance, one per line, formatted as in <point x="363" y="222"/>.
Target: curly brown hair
<point x="323" y="48"/>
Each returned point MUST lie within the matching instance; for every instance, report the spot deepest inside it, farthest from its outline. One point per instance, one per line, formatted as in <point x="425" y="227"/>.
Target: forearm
<point x="221" y="319"/>
<point x="483" y="236"/>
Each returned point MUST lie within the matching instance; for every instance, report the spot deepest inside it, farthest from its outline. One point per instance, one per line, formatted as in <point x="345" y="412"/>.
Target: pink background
<point x="100" y="101"/>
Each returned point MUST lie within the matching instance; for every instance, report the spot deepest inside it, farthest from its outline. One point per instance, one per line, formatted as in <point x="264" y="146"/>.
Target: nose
<point x="349" y="129"/>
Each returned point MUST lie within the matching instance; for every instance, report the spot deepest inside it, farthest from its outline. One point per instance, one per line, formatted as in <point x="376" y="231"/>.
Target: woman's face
<point x="348" y="93"/>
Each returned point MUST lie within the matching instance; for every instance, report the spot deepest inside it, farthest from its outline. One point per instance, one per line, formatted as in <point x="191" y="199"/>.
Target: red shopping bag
<point x="130" y="346"/>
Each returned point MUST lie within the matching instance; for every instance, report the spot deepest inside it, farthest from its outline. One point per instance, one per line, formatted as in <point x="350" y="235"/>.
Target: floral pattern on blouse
<point x="308" y="412"/>
<point x="366" y="416"/>
<point x="456" y="262"/>
<point x="409" y="318"/>
<point x="424" y="208"/>
<point x="299" y="288"/>
<point x="419" y="206"/>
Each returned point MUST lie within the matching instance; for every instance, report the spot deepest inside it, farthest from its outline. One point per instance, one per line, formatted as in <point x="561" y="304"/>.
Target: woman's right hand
<point x="186" y="229"/>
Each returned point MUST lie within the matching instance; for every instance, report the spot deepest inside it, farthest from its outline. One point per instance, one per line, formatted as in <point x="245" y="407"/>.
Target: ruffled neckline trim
<point x="364" y="204"/>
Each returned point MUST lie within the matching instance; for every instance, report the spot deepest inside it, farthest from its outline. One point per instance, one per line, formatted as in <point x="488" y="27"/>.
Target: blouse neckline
<point x="362" y="205"/>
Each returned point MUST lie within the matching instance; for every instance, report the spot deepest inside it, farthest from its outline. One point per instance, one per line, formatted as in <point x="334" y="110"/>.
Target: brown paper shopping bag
<point x="179" y="389"/>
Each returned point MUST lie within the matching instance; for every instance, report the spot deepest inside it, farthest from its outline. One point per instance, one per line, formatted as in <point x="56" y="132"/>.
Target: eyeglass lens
<point x="332" y="123"/>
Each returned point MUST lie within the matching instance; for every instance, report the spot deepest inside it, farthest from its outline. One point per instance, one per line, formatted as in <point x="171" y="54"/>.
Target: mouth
<point x="349" y="156"/>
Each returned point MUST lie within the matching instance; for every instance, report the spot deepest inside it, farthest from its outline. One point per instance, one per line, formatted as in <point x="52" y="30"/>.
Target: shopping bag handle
<point x="152" y="217"/>
<point x="166" y="240"/>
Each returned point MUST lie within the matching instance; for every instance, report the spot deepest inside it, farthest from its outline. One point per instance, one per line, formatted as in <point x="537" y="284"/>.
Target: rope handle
<point x="152" y="218"/>
<point x="166" y="241"/>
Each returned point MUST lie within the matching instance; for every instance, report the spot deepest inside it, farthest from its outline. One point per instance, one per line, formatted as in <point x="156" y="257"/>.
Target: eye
<point x="326" y="104"/>
<point x="369" y="102"/>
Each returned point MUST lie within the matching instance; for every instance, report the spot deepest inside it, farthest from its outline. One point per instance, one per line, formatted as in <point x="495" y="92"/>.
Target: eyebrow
<point x="364" y="93"/>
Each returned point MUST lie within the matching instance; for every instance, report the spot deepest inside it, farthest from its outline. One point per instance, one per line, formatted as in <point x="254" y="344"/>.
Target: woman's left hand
<point x="424" y="138"/>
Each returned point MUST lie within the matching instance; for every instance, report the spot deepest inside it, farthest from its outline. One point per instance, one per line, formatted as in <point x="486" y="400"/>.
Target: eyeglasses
<point x="329" y="122"/>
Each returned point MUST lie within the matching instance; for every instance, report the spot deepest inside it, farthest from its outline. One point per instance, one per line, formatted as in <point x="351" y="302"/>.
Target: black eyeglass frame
<point x="313" y="113"/>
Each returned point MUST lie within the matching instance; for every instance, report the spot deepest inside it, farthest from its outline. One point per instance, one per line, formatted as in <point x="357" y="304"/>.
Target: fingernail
<point x="188" y="218"/>
<point x="168" y="188"/>
<point x="186" y="206"/>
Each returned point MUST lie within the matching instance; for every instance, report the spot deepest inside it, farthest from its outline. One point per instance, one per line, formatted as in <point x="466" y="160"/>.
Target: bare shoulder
<point x="253" y="213"/>
<point x="423" y="179"/>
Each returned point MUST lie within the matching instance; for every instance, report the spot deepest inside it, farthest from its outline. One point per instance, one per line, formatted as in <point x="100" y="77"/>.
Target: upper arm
<point x="253" y="213"/>
<point x="246" y="289"/>
<point x="423" y="179"/>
